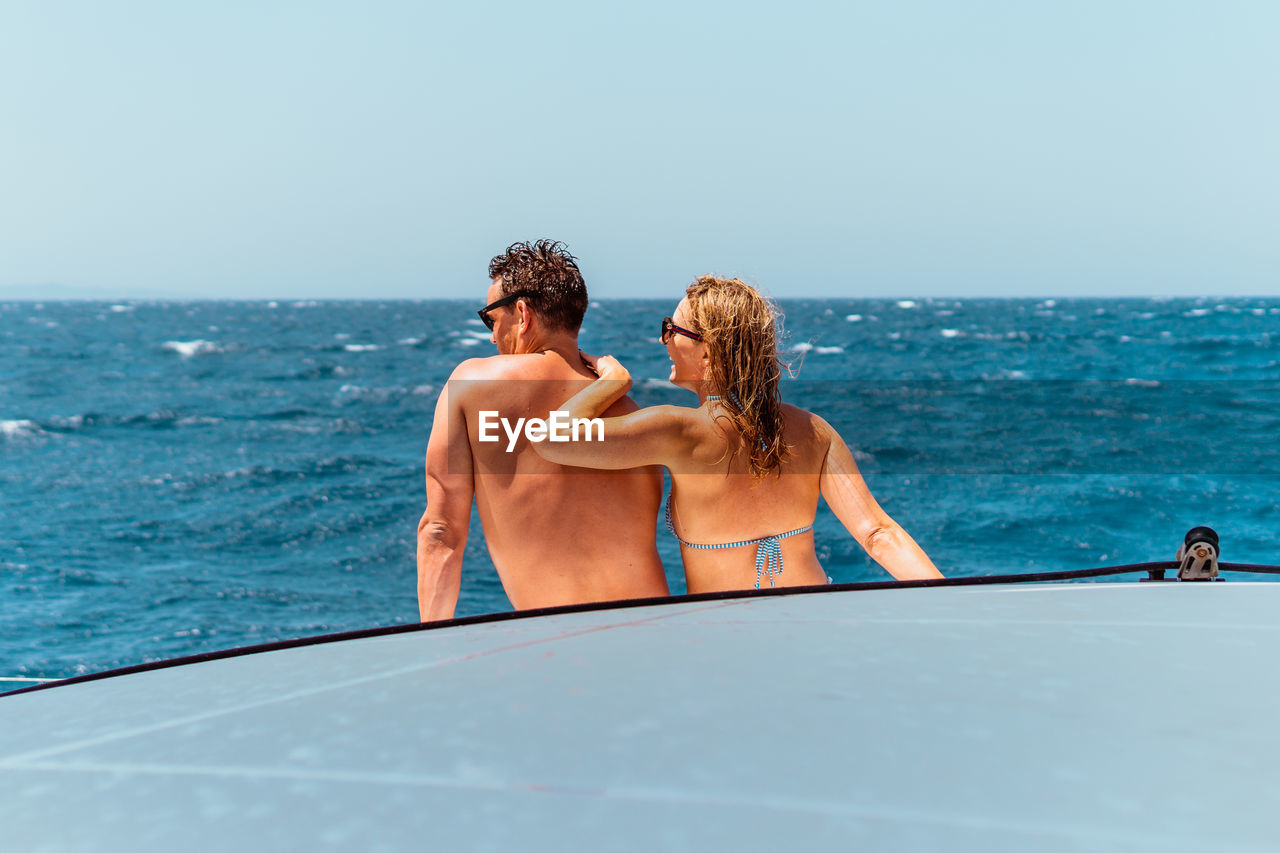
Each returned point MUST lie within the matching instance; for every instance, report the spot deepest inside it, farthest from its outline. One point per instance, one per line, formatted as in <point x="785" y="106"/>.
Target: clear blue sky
<point x="908" y="148"/>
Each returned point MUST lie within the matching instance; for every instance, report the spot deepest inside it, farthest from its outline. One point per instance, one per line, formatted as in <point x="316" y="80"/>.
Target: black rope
<point x="976" y="580"/>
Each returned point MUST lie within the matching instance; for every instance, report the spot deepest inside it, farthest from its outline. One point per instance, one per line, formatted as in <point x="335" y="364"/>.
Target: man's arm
<point x="442" y="532"/>
<point x="852" y="502"/>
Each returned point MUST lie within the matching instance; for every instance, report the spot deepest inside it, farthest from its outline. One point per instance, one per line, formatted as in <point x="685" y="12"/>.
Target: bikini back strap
<point x="768" y="548"/>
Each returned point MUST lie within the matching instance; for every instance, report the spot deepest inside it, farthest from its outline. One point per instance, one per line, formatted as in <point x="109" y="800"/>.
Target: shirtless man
<point x="556" y="534"/>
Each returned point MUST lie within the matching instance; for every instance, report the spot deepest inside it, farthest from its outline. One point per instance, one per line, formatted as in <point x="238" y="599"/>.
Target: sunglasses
<point x="499" y="303"/>
<point x="668" y="328"/>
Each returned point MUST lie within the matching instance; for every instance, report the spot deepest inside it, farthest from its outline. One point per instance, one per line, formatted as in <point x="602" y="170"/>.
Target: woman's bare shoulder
<point x="806" y="424"/>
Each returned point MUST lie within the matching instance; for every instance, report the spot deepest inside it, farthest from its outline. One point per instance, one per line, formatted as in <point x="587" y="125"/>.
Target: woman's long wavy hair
<point x="740" y="328"/>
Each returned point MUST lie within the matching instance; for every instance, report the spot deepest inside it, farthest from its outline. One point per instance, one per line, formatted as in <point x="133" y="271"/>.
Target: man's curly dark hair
<point x="547" y="271"/>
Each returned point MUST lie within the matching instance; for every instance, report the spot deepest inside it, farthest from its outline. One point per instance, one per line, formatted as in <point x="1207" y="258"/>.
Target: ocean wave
<point x="362" y="347"/>
<point x="256" y="476"/>
<point x="805" y="346"/>
<point x="22" y="428"/>
<point x="157" y="419"/>
<point x="287" y="415"/>
<point x="187" y="349"/>
<point x="318" y="371"/>
<point x="352" y="394"/>
<point x="906" y="304"/>
<point x="853" y="318"/>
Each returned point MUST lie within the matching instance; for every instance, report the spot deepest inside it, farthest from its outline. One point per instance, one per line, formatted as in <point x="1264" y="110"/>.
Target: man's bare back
<point x="557" y="534"/>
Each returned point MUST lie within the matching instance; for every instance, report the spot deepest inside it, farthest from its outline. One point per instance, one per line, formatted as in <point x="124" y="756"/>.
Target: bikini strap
<point x="768" y="548"/>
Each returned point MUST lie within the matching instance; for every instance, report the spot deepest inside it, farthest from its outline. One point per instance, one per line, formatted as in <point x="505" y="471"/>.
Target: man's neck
<point x="565" y="346"/>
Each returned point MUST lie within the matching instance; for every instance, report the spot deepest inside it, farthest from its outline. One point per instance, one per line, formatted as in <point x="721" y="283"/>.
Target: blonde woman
<point x="746" y="468"/>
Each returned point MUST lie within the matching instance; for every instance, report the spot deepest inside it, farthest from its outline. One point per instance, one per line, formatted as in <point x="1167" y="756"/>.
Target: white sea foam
<point x="854" y="318"/>
<point x="474" y="321"/>
<point x="951" y="333"/>
<point x="273" y="304"/>
<point x="409" y="342"/>
<point x="342" y="336"/>
<point x="1143" y="383"/>
<point x="19" y="429"/>
<point x="362" y="347"/>
<point x="1198" y="312"/>
<point x="423" y="390"/>
<point x="121" y="309"/>
<point x="803" y="346"/>
<point x="468" y="342"/>
<point x="1049" y="303"/>
<point x="943" y="313"/>
<point x="1258" y="312"/>
<point x="187" y="349"/>
<point x="656" y="383"/>
<point x="828" y="350"/>
<point x="906" y="304"/>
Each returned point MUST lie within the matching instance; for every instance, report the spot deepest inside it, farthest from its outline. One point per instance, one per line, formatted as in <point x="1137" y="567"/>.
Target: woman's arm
<point x="651" y="436"/>
<point x="612" y="385"/>
<point x="849" y="498"/>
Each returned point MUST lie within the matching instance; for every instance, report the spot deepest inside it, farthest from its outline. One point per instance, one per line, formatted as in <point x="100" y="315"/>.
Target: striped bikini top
<point x="768" y="548"/>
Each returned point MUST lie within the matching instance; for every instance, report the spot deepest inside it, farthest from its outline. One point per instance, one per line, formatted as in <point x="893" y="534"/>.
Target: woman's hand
<point x="608" y="367"/>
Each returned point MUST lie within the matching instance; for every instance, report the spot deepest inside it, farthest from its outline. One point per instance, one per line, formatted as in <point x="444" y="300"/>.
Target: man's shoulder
<point x="492" y="367"/>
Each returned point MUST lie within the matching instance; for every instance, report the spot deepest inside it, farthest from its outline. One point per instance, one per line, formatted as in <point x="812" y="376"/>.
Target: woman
<point x="746" y="468"/>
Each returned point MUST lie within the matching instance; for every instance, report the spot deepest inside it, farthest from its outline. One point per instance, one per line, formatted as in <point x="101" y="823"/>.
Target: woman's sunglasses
<point x="499" y="303"/>
<point x="669" y="327"/>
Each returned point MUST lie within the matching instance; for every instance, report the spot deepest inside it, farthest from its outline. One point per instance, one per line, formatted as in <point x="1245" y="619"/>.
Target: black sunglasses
<point x="669" y="327"/>
<point x="499" y="303"/>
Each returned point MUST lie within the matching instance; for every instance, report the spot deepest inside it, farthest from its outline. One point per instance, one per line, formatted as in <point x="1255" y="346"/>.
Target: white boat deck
<point x="1049" y="717"/>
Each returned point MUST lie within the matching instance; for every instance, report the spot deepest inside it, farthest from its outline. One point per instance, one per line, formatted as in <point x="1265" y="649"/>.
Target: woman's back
<point x="746" y="469"/>
<point x="717" y="501"/>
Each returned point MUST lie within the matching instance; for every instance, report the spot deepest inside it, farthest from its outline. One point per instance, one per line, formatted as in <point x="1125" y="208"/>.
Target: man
<point x="556" y="534"/>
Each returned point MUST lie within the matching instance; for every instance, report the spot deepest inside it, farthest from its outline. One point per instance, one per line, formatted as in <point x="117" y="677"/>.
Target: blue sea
<point x="181" y="477"/>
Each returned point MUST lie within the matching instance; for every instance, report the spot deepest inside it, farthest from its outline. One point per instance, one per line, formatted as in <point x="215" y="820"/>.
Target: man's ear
<point x="526" y="317"/>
